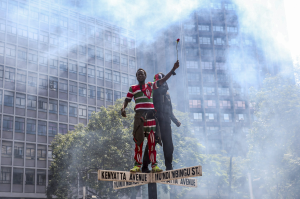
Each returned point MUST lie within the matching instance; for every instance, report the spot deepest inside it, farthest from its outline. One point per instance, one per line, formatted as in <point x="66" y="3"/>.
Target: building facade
<point x="57" y="66"/>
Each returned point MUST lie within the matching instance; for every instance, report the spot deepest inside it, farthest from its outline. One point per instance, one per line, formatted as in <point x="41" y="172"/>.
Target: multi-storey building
<point x="219" y="62"/>
<point x="57" y="66"/>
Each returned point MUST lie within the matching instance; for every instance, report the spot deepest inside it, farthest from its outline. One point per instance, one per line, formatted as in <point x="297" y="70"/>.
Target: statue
<point x="163" y="106"/>
<point x="144" y="119"/>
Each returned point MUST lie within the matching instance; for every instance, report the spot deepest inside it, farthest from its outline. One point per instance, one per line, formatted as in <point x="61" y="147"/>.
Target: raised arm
<point x="165" y="78"/>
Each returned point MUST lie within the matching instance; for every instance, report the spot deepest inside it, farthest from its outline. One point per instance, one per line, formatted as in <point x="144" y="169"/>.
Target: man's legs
<point x="166" y="137"/>
<point x="151" y="149"/>
<point x="146" y="160"/>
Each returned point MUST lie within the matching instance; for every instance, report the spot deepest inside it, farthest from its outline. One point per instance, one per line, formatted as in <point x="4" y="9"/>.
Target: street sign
<point x="124" y="176"/>
<point x="122" y="185"/>
<point x="186" y="182"/>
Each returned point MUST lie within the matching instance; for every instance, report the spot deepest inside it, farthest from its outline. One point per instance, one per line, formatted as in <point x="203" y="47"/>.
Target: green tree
<point x="274" y="139"/>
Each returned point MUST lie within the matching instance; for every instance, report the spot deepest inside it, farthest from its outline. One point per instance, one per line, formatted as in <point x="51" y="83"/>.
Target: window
<point x="22" y="54"/>
<point x="44" y="37"/>
<point x="99" y="53"/>
<point x="229" y="6"/>
<point x="123" y="41"/>
<point x="41" y="177"/>
<point x="191" y="52"/>
<point x="220" y="53"/>
<point x="108" y="95"/>
<point x="53" y="40"/>
<point x="20" y="125"/>
<point x="63" y="129"/>
<point x="53" y="83"/>
<point x="194" y="90"/>
<point x="32" y="79"/>
<point x="91" y="52"/>
<point x="6" y="150"/>
<point x="43" y="104"/>
<point x="63" y="22"/>
<point x="8" y="98"/>
<point x="239" y="104"/>
<point x="193" y="77"/>
<point x="33" y="34"/>
<point x="43" y="82"/>
<point x="10" y="50"/>
<point x="216" y="5"/>
<point x="232" y="41"/>
<point x="73" y="88"/>
<point x="63" y="86"/>
<point x="220" y="66"/>
<point x="29" y="176"/>
<point x="206" y="65"/>
<point x="10" y="74"/>
<point x="209" y="90"/>
<point x="203" y="28"/>
<point x="91" y="110"/>
<point x="108" y="57"/>
<point x="132" y="80"/>
<point x="92" y="92"/>
<point x="7" y="123"/>
<point x="53" y="63"/>
<point x="31" y="126"/>
<point x="20" y="100"/>
<point x="52" y="129"/>
<point x="124" y="60"/>
<point x="82" y="111"/>
<point x="232" y="29"/>
<point x="18" y="176"/>
<point x="31" y="102"/>
<point x="82" y="69"/>
<point x="44" y="17"/>
<point x="116" y="39"/>
<point x="197" y="116"/>
<point x="53" y="106"/>
<point x="212" y="130"/>
<point x="108" y="75"/>
<point x="41" y="152"/>
<point x="124" y="79"/>
<point x="117" y="95"/>
<point x="63" y="108"/>
<point x="100" y="73"/>
<point x="225" y="104"/>
<point x="32" y="56"/>
<point x="226" y="117"/>
<point x="82" y="90"/>
<point x="116" y="76"/>
<point x="218" y="28"/>
<point x="5" y="177"/>
<point x="72" y="67"/>
<point x="223" y="91"/>
<point x="222" y="78"/>
<point x="208" y="78"/>
<point x="240" y="117"/>
<point x="131" y="62"/>
<point x="2" y="24"/>
<point x="195" y="103"/>
<point x="107" y="36"/>
<point x="191" y="64"/>
<point x="82" y="49"/>
<point x="210" y="103"/>
<point x="188" y="26"/>
<point x="204" y="40"/>
<point x="189" y="39"/>
<point x="11" y="28"/>
<point x="30" y="151"/>
<point x="42" y="128"/>
<point x="211" y="117"/>
<point x="206" y="53"/>
<point x="219" y="41"/>
<point x="1" y="48"/>
<point x="100" y="93"/>
<point x="238" y="91"/>
<point x="91" y="71"/>
<point x="19" y="150"/>
<point x="22" y="30"/>
<point x="73" y="110"/>
<point x="63" y="65"/>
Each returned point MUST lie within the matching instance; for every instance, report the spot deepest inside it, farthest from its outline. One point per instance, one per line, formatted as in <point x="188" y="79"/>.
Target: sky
<point x="292" y="17"/>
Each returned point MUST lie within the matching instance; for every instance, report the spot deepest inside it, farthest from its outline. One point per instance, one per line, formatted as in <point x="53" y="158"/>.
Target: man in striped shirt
<point x="144" y="120"/>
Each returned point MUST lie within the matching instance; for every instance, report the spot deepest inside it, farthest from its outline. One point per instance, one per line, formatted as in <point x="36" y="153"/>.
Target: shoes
<point x="135" y="169"/>
<point x="156" y="169"/>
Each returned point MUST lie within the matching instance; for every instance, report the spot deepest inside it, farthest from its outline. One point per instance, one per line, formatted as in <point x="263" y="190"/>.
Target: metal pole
<point x="152" y="191"/>
<point x="250" y="186"/>
<point x="230" y="166"/>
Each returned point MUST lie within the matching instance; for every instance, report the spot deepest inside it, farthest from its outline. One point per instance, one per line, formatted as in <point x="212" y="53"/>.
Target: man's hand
<point x="178" y="124"/>
<point x="176" y="65"/>
<point x="123" y="112"/>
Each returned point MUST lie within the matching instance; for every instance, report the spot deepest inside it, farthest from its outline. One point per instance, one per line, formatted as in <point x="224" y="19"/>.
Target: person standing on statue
<point x="163" y="106"/>
<point x="144" y="119"/>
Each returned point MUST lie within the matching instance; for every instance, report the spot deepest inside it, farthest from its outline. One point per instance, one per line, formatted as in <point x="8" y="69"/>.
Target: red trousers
<point x="138" y="152"/>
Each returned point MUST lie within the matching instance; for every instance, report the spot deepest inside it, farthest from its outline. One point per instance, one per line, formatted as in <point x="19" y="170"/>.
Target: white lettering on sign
<point x="177" y="174"/>
<point x="106" y="175"/>
<point x="122" y="185"/>
<point x="187" y="182"/>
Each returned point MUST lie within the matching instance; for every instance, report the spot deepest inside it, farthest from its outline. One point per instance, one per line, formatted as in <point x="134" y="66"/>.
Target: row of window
<point x="224" y="104"/>
<point x="207" y="28"/>
<point x="213" y="117"/>
<point x="218" y="41"/>
<point x="222" y="91"/>
<point x="34" y="57"/>
<point x="43" y="81"/>
<point x="208" y="65"/>
<point x="208" y="77"/>
<point x="18" y="175"/>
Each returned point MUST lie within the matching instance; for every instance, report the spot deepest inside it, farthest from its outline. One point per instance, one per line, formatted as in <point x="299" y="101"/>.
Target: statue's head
<point x="163" y="88"/>
<point x="141" y="75"/>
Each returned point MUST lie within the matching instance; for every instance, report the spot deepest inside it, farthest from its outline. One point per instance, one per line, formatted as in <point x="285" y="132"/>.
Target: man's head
<point x="141" y="75"/>
<point x="164" y="87"/>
